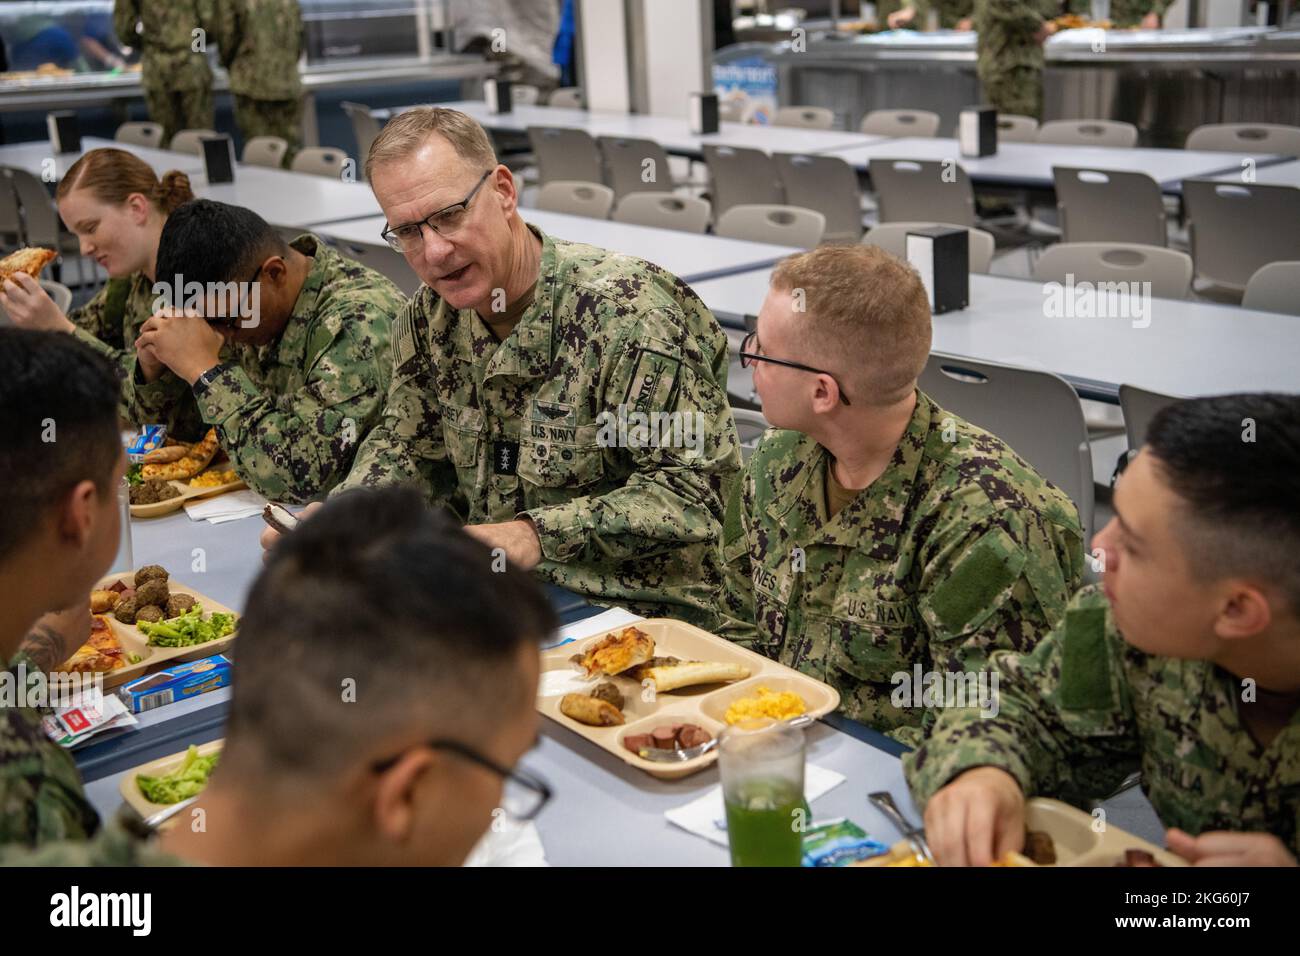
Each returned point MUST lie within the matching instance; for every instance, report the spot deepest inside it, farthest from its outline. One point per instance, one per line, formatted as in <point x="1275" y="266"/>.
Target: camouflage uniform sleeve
<point x="41" y="796"/>
<point x="1063" y="722"/>
<point x="737" y="599"/>
<point x="99" y="323"/>
<point x="407" y="445"/>
<point x="223" y="23"/>
<point x="113" y="846"/>
<point x="1024" y="16"/>
<point x="294" y="447"/>
<point x="674" y="496"/>
<point x="126" y="14"/>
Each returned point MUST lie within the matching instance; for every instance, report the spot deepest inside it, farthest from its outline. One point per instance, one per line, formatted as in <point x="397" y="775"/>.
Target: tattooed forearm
<point x="46" y="646"/>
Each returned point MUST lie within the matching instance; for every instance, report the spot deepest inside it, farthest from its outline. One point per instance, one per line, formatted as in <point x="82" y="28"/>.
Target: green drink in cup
<point x="761" y="762"/>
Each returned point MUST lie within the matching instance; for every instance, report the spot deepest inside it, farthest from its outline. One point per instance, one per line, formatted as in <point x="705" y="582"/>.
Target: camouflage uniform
<point x="41" y="796"/>
<point x="1123" y="13"/>
<point x="1085" y="709"/>
<point x="951" y="12"/>
<point x="110" y="323"/>
<point x="177" y="80"/>
<point x="113" y="846"/>
<point x="261" y="43"/>
<point x="1010" y="60"/>
<point x="497" y="431"/>
<point x="959" y="548"/>
<point x="291" y="414"/>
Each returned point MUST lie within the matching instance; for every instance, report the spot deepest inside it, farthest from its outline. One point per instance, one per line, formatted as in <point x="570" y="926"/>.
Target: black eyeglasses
<point x="524" y="794"/>
<point x="748" y="358"/>
<point x="444" y="222"/>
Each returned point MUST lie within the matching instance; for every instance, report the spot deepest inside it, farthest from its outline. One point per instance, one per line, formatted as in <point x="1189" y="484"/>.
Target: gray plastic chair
<point x="629" y="161"/>
<point x="827" y="184"/>
<point x="804" y="117"/>
<point x="565" y="154"/>
<point x="1234" y="229"/>
<point x="1246" y="138"/>
<point x="779" y="225"/>
<point x="914" y="190"/>
<point x="524" y="94"/>
<point x="1090" y="132"/>
<point x="567" y="97"/>
<point x="140" y="134"/>
<point x="900" y="123"/>
<point x="321" y="161"/>
<point x="1274" y="288"/>
<point x="190" y="141"/>
<point x="40" y="219"/>
<point x="751" y="426"/>
<point x="577" y="199"/>
<point x="1168" y="270"/>
<point x="741" y="176"/>
<point x="1139" y="406"/>
<point x="11" y="222"/>
<point x="364" y="127"/>
<point x="1014" y="128"/>
<point x="892" y="237"/>
<point x="664" y="211"/>
<point x="266" y="151"/>
<point x="1036" y="413"/>
<point x="1107" y="205"/>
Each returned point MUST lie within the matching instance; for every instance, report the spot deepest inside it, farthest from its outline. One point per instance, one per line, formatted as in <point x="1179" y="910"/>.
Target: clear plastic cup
<point x="762" y="767"/>
<point x="125" y="559"/>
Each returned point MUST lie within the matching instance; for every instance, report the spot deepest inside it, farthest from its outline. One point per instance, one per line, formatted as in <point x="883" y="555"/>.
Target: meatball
<point x="148" y="572"/>
<point x="152" y="613"/>
<point x="153" y="591"/>
<point x="125" y="610"/>
<point x="178" y="604"/>
<point x="608" y="692"/>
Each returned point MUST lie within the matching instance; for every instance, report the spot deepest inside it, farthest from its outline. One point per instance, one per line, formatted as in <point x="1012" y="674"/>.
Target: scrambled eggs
<point x="768" y="703"/>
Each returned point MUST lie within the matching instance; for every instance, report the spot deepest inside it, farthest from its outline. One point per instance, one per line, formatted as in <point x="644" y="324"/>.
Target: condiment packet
<point x="838" y="843"/>
<point x="150" y="438"/>
<point x="87" y="716"/>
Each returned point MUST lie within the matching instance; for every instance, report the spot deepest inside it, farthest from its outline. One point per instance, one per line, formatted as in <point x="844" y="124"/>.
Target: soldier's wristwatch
<point x="204" y="380"/>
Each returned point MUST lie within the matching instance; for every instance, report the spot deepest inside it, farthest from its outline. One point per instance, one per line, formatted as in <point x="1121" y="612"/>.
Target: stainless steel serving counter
<point x="1166" y="82"/>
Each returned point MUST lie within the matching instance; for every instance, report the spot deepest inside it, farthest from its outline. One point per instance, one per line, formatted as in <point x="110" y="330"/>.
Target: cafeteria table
<point x="1279" y="174"/>
<point x="1189" y="348"/>
<point x="673" y="133"/>
<point x="1029" y="165"/>
<point x="32" y="156"/>
<point x="691" y="257"/>
<point x="604" y="812"/>
<point x="292" y="200"/>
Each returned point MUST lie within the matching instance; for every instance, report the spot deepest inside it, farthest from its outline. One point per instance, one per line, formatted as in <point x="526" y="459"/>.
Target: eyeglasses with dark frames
<point x="444" y="222"/>
<point x="524" y="794"/>
<point x="748" y="357"/>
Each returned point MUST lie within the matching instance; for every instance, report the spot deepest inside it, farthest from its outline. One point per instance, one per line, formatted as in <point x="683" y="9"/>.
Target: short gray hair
<point x="407" y="132"/>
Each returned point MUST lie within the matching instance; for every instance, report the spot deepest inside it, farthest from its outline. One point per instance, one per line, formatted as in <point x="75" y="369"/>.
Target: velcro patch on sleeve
<point x="970" y="593"/>
<point x="1085" y="661"/>
<point x="653" y="385"/>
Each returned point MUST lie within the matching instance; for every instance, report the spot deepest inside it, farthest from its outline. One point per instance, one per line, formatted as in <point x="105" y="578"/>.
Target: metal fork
<point x="914" y="835"/>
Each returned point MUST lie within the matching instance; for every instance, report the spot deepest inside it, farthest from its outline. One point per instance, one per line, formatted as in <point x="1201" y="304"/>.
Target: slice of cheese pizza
<point x="30" y="260"/>
<point x="100" y="654"/>
<point x="617" y="652"/>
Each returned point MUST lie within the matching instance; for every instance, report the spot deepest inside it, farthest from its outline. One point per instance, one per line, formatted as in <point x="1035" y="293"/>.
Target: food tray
<point x="704" y="705"/>
<point x="187" y="493"/>
<point x="136" y="800"/>
<point x="135" y="641"/>
<point x="1072" y="833"/>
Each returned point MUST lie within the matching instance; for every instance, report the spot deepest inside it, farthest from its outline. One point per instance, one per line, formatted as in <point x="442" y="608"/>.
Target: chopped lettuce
<point x="188" y="629"/>
<point x="133" y="475"/>
<point x="185" y="781"/>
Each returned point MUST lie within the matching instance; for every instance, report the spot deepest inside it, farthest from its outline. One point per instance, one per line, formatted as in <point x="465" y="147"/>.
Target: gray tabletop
<point x="1030" y="164"/>
<point x="671" y="132"/>
<point x="292" y="200"/>
<point x="1189" y="348"/>
<point x="1280" y="174"/>
<point x="35" y="156"/>
<point x="691" y="257"/>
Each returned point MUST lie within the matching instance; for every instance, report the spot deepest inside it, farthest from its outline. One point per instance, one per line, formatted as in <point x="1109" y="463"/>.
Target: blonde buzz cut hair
<point x="408" y="131"/>
<point x="861" y="311"/>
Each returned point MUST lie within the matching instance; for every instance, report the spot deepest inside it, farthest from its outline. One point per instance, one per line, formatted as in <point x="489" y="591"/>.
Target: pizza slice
<point x="102" y="652"/>
<point x="30" y="260"/>
<point x="617" y="652"/>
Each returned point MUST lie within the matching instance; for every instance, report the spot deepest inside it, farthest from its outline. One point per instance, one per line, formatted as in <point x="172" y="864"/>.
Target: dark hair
<point x="206" y="241"/>
<point x="1235" y="461"/>
<point x="58" y="426"/>
<point x="378" y="590"/>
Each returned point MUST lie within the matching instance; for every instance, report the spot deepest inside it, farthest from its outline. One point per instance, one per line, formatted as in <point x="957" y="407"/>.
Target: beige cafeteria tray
<point x="704" y="705"/>
<point x="187" y="493"/>
<point x="156" y="768"/>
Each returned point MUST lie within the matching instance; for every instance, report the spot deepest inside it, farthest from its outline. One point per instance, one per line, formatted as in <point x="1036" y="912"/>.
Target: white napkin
<point x="706" y="816"/>
<point x="228" y="507"/>
<point x="508" y="843"/>
<point x="605" y="621"/>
